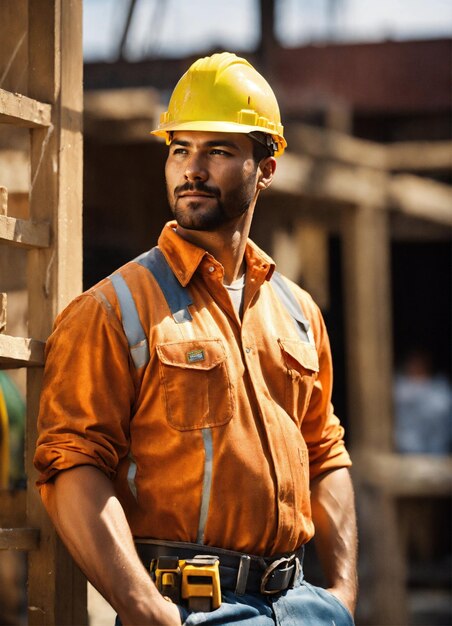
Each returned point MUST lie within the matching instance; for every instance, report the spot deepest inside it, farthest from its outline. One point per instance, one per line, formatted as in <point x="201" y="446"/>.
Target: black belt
<point x="238" y="571"/>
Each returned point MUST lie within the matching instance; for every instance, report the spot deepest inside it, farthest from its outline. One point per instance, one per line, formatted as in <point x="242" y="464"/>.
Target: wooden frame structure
<point x="361" y="183"/>
<point x="52" y="109"/>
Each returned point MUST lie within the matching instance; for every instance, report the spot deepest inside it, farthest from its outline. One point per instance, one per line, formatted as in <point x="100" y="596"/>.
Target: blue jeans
<point x="304" y="605"/>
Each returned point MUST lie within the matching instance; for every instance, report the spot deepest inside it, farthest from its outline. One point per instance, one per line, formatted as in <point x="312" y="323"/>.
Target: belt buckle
<point x="286" y="561"/>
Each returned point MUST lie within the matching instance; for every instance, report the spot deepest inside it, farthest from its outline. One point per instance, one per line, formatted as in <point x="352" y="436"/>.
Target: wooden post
<point x="366" y="249"/>
<point x="314" y="268"/>
<point x="368" y="325"/>
<point x="57" y="590"/>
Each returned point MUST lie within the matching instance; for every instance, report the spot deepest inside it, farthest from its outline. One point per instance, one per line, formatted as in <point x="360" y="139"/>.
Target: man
<point x="186" y="398"/>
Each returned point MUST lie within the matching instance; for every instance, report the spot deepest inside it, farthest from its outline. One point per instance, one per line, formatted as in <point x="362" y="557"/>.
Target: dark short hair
<point x="263" y="145"/>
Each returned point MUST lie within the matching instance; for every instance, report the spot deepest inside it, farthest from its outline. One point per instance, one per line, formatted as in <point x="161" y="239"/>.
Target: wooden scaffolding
<point x="41" y="56"/>
<point x="366" y="187"/>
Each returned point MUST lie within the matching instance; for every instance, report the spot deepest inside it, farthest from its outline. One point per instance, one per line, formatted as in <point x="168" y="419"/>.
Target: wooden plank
<point x="24" y="539"/>
<point x="335" y="146"/>
<point x="3" y="201"/>
<point x="331" y="145"/>
<point x="23" y="111"/>
<point x="344" y="184"/>
<point x="336" y="182"/>
<point x="12" y="508"/>
<point x="3" y="303"/>
<point x="419" y="156"/>
<point x="24" y="233"/>
<point x="20" y="352"/>
<point x="417" y="475"/>
<point x="421" y="198"/>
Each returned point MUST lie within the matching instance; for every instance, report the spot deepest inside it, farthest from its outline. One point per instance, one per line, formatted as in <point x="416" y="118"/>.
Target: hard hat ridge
<point x="223" y="93"/>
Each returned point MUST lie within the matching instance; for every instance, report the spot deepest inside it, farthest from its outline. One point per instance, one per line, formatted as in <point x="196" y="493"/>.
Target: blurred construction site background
<point x="360" y="215"/>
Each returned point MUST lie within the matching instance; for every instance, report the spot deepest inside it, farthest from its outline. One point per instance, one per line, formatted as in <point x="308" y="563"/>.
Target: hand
<point x="345" y="596"/>
<point x="163" y="614"/>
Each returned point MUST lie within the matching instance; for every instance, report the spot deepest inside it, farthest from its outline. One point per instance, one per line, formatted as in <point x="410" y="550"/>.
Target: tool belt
<point x="241" y="573"/>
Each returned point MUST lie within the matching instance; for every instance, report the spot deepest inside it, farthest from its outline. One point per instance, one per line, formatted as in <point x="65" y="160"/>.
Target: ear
<point x="267" y="169"/>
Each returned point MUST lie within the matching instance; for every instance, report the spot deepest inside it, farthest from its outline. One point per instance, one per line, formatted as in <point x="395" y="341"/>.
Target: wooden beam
<point x="24" y="233"/>
<point x="20" y="352"/>
<point x="335" y="146"/>
<point x="342" y="184"/>
<point x="419" y="156"/>
<point x="23" y="111"/>
<point x="123" y="105"/>
<point x="366" y="262"/>
<point x="321" y="143"/>
<point x="24" y="539"/>
<point x="366" y="250"/>
<point x="56" y="587"/>
<point x="421" y="198"/>
<point x="417" y="475"/>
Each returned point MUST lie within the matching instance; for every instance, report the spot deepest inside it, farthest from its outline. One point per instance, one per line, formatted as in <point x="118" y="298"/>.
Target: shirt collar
<point x="184" y="257"/>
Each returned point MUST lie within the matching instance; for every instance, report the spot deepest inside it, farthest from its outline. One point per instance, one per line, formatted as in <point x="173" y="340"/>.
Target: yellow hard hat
<point x="223" y="93"/>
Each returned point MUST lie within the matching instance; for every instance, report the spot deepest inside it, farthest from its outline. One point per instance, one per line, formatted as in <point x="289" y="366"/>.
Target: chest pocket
<point x="195" y="383"/>
<point x="302" y="365"/>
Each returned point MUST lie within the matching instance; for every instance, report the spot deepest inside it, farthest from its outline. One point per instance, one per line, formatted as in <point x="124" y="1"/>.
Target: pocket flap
<point x="203" y="354"/>
<point x="302" y="353"/>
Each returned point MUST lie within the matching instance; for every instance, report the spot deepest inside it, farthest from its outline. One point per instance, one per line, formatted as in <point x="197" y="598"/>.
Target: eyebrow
<point x="225" y="143"/>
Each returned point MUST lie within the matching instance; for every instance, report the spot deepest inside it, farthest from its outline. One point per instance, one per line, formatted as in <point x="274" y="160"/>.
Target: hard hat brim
<point x="213" y="126"/>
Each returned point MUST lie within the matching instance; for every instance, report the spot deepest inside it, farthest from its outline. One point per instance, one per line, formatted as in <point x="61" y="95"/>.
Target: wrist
<point x="151" y="612"/>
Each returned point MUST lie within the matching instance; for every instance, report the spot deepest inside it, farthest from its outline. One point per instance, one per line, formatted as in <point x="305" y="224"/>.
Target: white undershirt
<point x="236" y="292"/>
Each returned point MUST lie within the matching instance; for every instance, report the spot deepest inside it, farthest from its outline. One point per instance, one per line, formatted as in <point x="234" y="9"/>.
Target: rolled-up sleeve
<point x="321" y="428"/>
<point x="87" y="392"/>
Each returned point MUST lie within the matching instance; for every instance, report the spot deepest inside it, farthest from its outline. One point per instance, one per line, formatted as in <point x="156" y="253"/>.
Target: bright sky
<point x="178" y="27"/>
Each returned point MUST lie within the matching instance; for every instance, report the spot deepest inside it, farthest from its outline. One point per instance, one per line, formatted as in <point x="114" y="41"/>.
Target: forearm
<point x="92" y="524"/>
<point x="333" y="511"/>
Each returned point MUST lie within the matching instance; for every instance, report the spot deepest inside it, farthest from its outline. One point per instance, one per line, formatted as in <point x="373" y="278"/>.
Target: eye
<point x="220" y="152"/>
<point x="180" y="151"/>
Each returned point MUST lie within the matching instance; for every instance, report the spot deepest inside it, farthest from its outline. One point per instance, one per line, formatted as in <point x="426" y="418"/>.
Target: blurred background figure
<point x="423" y="407"/>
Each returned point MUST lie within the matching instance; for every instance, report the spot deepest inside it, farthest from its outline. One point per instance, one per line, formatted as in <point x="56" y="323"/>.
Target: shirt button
<point x="211" y="269"/>
<point x="248" y="350"/>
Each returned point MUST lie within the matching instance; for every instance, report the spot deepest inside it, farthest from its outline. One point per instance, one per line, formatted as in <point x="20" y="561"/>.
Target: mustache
<point x="197" y="186"/>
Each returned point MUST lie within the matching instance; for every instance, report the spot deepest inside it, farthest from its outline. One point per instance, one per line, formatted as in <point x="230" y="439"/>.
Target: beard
<point x="213" y="212"/>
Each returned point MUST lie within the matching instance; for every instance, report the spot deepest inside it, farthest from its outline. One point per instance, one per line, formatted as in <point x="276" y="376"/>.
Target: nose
<point x="195" y="169"/>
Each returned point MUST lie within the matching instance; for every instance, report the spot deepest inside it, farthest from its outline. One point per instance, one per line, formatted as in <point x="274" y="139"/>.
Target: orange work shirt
<point x="226" y="424"/>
